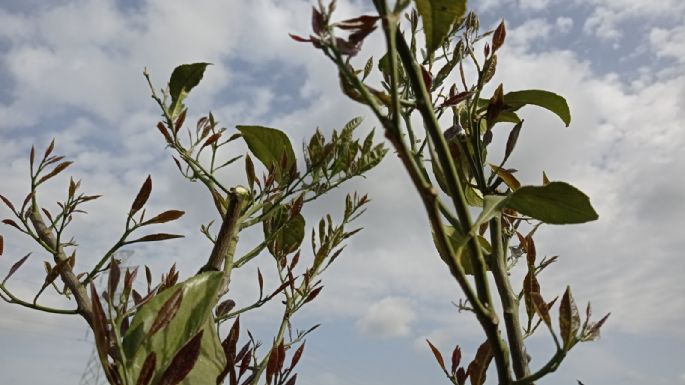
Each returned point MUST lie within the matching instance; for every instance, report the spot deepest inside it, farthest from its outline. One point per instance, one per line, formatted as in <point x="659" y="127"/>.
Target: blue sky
<point x="72" y="69"/>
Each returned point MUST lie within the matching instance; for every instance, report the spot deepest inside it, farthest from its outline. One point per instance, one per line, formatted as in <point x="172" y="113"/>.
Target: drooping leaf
<point x="555" y="203"/>
<point x="270" y="146"/>
<point x="545" y="99"/>
<point x="438" y="17"/>
<point x="569" y="318"/>
<point x="183" y="79"/>
<point x="193" y="315"/>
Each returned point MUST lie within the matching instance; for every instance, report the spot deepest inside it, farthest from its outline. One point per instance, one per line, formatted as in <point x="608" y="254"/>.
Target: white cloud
<point x="669" y="42"/>
<point x="389" y="317"/>
<point x="534" y="5"/>
<point x="530" y="30"/>
<point x="564" y="24"/>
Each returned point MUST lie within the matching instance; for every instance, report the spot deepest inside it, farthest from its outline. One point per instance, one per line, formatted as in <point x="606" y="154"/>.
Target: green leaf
<point x="183" y="79"/>
<point x="438" y="17"/>
<point x="545" y="99"/>
<point x="193" y="315"/>
<point x="460" y="248"/>
<point x="270" y="146"/>
<point x="287" y="233"/>
<point x="556" y="203"/>
<point x="492" y="204"/>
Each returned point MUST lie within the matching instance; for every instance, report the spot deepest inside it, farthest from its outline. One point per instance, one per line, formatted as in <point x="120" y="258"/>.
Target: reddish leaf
<point x="498" y="36"/>
<point x="438" y="356"/>
<point x="51" y="147"/>
<point x="313" y="294"/>
<point x="360" y="22"/>
<point x="225" y="307"/>
<point x="541" y="308"/>
<point x="167" y="312"/>
<point x="183" y="362"/>
<point x="531" y="253"/>
<point x="15" y="267"/>
<point x="530" y="285"/>
<point x="100" y="330"/>
<point x="317" y="21"/>
<point x="11" y="223"/>
<point x="8" y="203"/>
<point x="299" y="38"/>
<point x="2" y="244"/>
<point x="114" y="277"/>
<point x="167" y="216"/>
<point x="245" y="362"/>
<point x="296" y="357"/>
<point x="292" y="380"/>
<point x="456" y="99"/>
<point x="179" y="121"/>
<point x="260" y="281"/>
<point x="456" y="358"/>
<point x="593" y="333"/>
<point x="155" y="237"/>
<point x="461" y="376"/>
<point x="59" y="168"/>
<point x="142" y="197"/>
<point x="213" y="138"/>
<point x="165" y="133"/>
<point x="147" y="370"/>
<point x="427" y="79"/>
<point x="569" y="318"/>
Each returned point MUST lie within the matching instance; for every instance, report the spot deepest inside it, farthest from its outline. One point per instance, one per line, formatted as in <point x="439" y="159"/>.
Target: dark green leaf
<point x="544" y="99"/>
<point x="184" y="78"/>
<point x="438" y="17"/>
<point x="270" y="146"/>
<point x="555" y="203"/>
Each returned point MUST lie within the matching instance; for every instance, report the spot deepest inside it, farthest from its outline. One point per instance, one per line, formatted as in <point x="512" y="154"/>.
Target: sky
<point x="72" y="69"/>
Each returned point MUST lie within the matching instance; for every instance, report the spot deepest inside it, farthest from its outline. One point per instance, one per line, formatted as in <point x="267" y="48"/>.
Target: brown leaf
<point x="245" y="362"/>
<point x="183" y="362"/>
<point x="496" y="104"/>
<point x="296" y="357"/>
<point x="313" y="294"/>
<point x="593" y="333"/>
<point x="100" y="330"/>
<point x="142" y="197"/>
<point x="427" y="78"/>
<point x="531" y="253"/>
<point x="51" y="147"/>
<point x="456" y="99"/>
<point x="167" y="312"/>
<point x="165" y="133"/>
<point x="155" y="237"/>
<point x="260" y="281"/>
<point x="292" y="380"/>
<point x="11" y="223"/>
<point x="15" y="267"/>
<point x="225" y="307"/>
<point x="179" y="121"/>
<point x="114" y="277"/>
<point x="512" y="139"/>
<point x="147" y="370"/>
<point x="167" y="216"/>
<point x="8" y="203"/>
<point x="541" y="308"/>
<point x="530" y="286"/>
<point x="32" y="156"/>
<point x="479" y="366"/>
<point x="249" y="171"/>
<point x="498" y="36"/>
<point x="317" y="21"/>
<point x="438" y="356"/>
<point x="59" y="168"/>
<point x="456" y="358"/>
<point x="2" y="244"/>
<point x="213" y="138"/>
<point x="569" y="318"/>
